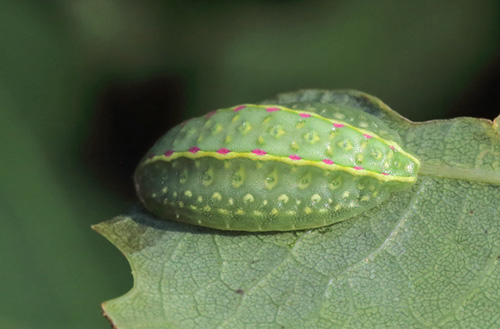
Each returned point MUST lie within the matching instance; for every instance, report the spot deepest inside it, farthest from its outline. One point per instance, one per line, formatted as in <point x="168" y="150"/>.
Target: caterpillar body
<point x="273" y="168"/>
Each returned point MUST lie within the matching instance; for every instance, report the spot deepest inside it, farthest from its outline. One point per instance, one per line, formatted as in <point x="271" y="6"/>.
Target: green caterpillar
<point x="273" y="168"/>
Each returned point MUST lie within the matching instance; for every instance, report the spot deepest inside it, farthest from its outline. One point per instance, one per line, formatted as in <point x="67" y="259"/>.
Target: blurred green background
<point x="86" y="87"/>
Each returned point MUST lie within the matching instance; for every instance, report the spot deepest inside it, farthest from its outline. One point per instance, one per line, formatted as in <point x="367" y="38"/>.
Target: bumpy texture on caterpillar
<point x="273" y="168"/>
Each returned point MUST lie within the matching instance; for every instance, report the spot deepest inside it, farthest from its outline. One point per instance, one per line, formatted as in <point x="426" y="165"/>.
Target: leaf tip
<point x="495" y="124"/>
<point x="106" y="315"/>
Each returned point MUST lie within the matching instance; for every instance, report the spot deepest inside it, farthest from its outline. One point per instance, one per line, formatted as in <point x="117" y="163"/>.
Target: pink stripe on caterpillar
<point x="328" y="161"/>
<point x="338" y="125"/>
<point x="237" y="108"/>
<point x="169" y="153"/>
<point x="208" y="115"/>
<point x="194" y="149"/>
<point x="259" y="152"/>
<point x="223" y="151"/>
<point x="385" y="174"/>
<point x="272" y="109"/>
<point x="358" y="168"/>
<point x="392" y="147"/>
<point x="305" y="115"/>
<point x="294" y="157"/>
<point x="368" y="136"/>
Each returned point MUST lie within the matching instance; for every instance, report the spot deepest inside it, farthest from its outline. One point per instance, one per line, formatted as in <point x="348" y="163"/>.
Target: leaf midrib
<point x="467" y="174"/>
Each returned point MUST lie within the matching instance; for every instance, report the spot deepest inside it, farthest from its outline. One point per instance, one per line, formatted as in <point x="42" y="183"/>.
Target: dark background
<point x="87" y="86"/>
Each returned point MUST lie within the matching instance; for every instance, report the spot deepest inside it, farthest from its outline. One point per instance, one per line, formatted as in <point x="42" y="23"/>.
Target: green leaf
<point x="429" y="257"/>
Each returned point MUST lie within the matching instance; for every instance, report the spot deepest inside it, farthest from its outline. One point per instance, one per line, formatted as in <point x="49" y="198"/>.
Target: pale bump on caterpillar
<point x="274" y="168"/>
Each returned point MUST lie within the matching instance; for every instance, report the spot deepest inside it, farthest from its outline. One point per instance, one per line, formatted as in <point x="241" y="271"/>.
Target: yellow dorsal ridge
<point x="283" y="159"/>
